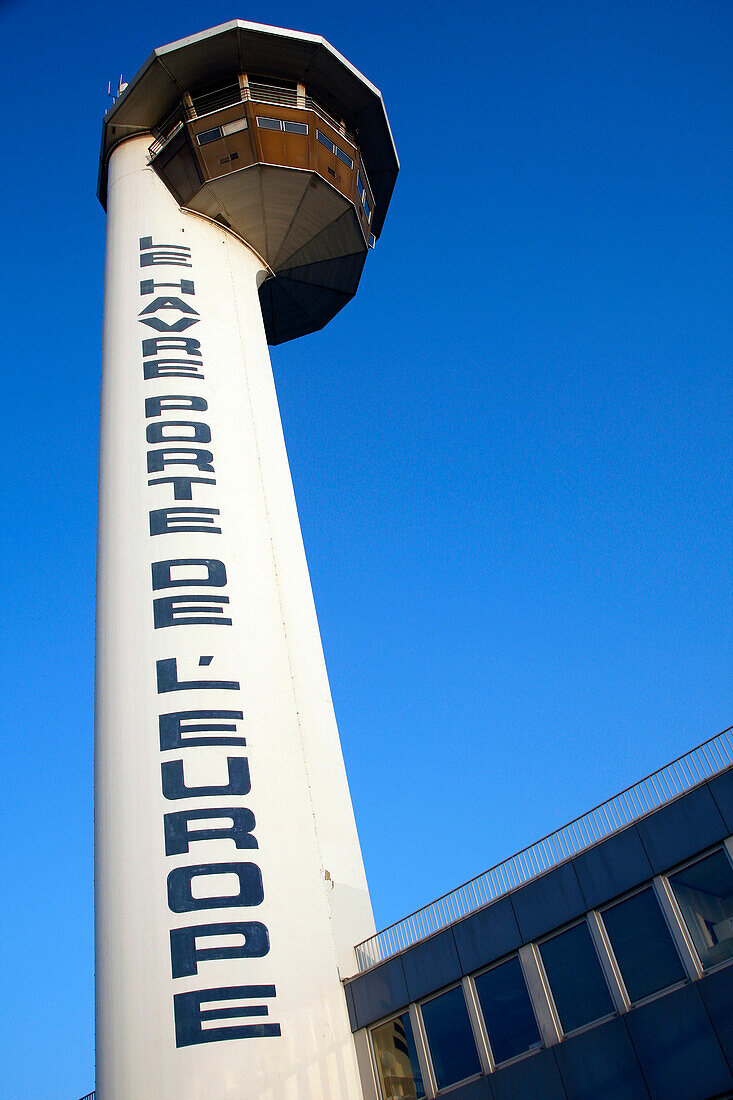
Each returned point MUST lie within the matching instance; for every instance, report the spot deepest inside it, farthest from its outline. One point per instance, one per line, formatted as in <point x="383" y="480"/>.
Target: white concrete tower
<point x="245" y="172"/>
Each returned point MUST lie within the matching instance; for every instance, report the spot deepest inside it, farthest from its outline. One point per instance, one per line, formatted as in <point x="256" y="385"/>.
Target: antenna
<point x="121" y="85"/>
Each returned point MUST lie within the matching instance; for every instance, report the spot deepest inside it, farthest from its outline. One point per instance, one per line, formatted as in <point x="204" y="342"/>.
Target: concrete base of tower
<point x="229" y="881"/>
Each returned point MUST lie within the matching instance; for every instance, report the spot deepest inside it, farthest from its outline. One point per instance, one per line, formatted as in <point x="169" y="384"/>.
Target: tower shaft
<point x="229" y="881"/>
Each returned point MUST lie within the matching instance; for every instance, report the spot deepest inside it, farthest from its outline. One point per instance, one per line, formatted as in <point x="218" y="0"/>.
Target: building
<point x="595" y="964"/>
<point x="246" y="172"/>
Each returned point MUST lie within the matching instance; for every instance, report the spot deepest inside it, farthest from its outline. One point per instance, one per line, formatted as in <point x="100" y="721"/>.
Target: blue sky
<point x="511" y="451"/>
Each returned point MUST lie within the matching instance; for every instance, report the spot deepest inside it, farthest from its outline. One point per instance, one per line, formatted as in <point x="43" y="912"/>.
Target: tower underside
<point x="274" y="135"/>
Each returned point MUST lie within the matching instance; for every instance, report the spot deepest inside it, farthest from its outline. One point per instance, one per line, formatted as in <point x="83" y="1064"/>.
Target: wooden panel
<point x="297" y="153"/>
<point x="227" y="153"/>
<point x="241" y="144"/>
<point x="328" y="165"/>
<point x="272" y="143"/>
<point x="259" y="144"/>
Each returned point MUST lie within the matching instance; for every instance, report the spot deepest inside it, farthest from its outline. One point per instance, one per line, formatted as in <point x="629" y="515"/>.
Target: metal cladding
<point x="276" y="136"/>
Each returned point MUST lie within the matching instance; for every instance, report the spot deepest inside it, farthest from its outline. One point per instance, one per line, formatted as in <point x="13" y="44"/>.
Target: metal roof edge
<point x="161" y="53"/>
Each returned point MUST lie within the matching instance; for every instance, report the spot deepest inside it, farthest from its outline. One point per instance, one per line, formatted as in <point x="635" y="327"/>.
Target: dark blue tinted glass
<point x="643" y="945"/>
<point x="209" y="135"/>
<point x="269" y="123"/>
<point x="704" y="893"/>
<point x="450" y="1038"/>
<point x="344" y="157"/>
<point x="397" y="1065"/>
<point x="325" y="140"/>
<point x="507" y="1011"/>
<point x="576" y="979"/>
<point x="295" y="127"/>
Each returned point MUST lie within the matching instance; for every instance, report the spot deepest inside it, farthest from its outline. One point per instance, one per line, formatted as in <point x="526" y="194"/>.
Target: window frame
<point x="325" y="141"/>
<point x="209" y="140"/>
<point x="664" y="909"/>
<point x="447" y="1089"/>
<point x="420" y="1049"/>
<point x="344" y="157"/>
<point x="721" y="846"/>
<point x="563" y="1034"/>
<point x="486" y="1038"/>
<point x="236" y="126"/>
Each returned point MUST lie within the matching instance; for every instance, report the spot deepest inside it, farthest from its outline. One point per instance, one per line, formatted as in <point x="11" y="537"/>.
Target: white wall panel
<point x="315" y="904"/>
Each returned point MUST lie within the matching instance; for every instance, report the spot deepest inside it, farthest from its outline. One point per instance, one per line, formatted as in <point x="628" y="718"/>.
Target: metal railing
<point x="642" y="798"/>
<point x="89" y="1096"/>
<point x="224" y="96"/>
<point x="161" y="142"/>
<point x="231" y="94"/>
<point x="285" y="97"/>
<point x="268" y="93"/>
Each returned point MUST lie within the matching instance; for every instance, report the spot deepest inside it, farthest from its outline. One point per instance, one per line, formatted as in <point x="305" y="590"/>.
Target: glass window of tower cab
<point x="277" y="137"/>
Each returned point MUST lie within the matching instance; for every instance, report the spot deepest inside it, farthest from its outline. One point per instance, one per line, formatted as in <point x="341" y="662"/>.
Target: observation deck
<point x="273" y="134"/>
<point x="218" y="132"/>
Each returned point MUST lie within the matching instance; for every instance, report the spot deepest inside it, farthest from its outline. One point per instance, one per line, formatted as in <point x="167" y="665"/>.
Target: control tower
<point x="245" y="171"/>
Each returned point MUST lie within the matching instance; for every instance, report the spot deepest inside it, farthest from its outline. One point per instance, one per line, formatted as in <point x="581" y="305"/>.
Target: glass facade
<point x="704" y="893"/>
<point x="642" y="944"/>
<point x="507" y="1010"/>
<point x="450" y="1038"/>
<point x="397" y="1065"/>
<point x="576" y="979"/>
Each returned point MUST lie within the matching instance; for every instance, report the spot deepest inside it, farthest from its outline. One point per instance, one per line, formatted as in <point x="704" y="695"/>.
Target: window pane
<point x="643" y="945"/>
<point x="576" y="979"/>
<point x="209" y="135"/>
<point x="507" y="1011"/>
<point x="235" y="126"/>
<point x="704" y="892"/>
<point x="397" y="1065"/>
<point x="269" y="123"/>
<point x="344" y="157"/>
<point x="450" y="1038"/>
<point x="295" y="127"/>
<point x="325" y="140"/>
<point x="360" y="186"/>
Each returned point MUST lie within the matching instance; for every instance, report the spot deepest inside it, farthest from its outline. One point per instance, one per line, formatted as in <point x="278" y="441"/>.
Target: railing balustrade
<point x="211" y="102"/>
<point x="671" y="781"/>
